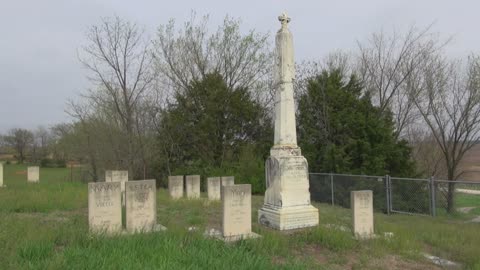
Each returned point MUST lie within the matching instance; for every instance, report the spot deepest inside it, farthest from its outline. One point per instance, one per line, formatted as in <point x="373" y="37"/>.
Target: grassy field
<point x="44" y="226"/>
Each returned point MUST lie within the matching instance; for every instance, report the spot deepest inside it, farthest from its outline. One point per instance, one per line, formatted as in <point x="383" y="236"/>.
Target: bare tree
<point x="450" y="105"/>
<point x="20" y="140"/>
<point x="119" y="61"/>
<point x="243" y="60"/>
<point x="390" y="66"/>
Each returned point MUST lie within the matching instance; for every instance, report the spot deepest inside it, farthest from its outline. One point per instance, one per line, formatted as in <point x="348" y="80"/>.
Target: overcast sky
<point x="39" y="69"/>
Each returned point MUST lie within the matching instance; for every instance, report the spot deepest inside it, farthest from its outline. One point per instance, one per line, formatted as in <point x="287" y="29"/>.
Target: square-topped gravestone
<point x="118" y="176"/>
<point x="213" y="188"/>
<point x="1" y="174"/>
<point x="362" y="213"/>
<point x="228" y="180"/>
<point x="33" y="174"/>
<point x="192" y="183"/>
<point x="175" y="186"/>
<point x="105" y="207"/>
<point x="141" y="205"/>
<point x="237" y="212"/>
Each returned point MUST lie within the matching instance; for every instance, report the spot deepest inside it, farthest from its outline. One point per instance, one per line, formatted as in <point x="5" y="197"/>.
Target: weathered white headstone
<point x="118" y="176"/>
<point x="175" y="186"/>
<point x="287" y="198"/>
<point x="192" y="183"/>
<point x="362" y="213"/>
<point x="33" y="174"/>
<point x="141" y="205"/>
<point x="104" y="207"/>
<point x="237" y="212"/>
<point x="213" y="188"/>
<point x="1" y="174"/>
<point x="228" y="180"/>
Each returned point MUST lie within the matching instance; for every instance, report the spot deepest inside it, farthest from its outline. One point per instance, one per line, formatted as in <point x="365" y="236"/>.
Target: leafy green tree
<point x="340" y="131"/>
<point x="210" y="126"/>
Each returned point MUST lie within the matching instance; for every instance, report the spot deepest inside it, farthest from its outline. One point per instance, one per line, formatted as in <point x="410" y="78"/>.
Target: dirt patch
<point x="21" y="172"/>
<point x="465" y="210"/>
<point x="393" y="262"/>
<point x="315" y="252"/>
<point x="55" y="216"/>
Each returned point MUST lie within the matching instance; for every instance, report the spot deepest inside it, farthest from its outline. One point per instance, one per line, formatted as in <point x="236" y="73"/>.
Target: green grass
<point x="44" y="226"/>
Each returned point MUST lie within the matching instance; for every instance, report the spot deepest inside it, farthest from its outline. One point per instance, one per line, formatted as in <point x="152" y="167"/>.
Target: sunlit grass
<point x="44" y="226"/>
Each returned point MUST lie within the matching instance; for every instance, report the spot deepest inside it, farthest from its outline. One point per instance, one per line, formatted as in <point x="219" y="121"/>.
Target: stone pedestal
<point x="287" y="199"/>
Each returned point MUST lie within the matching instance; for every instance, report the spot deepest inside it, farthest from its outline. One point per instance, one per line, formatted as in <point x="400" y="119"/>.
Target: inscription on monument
<point x="141" y="205"/>
<point x="104" y="207"/>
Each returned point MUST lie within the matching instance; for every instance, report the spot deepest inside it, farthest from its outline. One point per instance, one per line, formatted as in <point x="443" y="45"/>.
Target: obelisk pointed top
<point x="284" y="19"/>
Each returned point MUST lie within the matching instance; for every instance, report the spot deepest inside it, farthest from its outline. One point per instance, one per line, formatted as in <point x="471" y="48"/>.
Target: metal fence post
<point x="387" y="193"/>
<point x="433" y="196"/>
<point x="331" y="187"/>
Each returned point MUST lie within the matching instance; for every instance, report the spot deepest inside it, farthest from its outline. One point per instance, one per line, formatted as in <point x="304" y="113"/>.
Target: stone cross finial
<point x="284" y="19"/>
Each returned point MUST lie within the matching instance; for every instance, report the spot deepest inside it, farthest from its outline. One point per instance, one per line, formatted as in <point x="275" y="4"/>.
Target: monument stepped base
<point x="288" y="218"/>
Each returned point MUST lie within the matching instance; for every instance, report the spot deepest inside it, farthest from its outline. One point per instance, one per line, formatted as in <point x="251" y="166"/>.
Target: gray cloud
<point x="39" y="69"/>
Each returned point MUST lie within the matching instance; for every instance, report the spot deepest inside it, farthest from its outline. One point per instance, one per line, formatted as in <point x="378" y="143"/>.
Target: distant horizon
<point x="40" y="70"/>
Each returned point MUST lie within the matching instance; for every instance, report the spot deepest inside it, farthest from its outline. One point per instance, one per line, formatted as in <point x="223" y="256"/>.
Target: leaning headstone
<point x="118" y="176"/>
<point x="104" y="207"/>
<point x="33" y="174"/>
<point x="175" y="186"/>
<point x="213" y="188"/>
<point x="228" y="181"/>
<point x="362" y="213"/>
<point x="1" y="175"/>
<point x="141" y="205"/>
<point x="237" y="212"/>
<point x="192" y="183"/>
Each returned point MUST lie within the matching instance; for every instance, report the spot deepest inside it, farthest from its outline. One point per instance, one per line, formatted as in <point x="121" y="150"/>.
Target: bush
<point x="53" y="163"/>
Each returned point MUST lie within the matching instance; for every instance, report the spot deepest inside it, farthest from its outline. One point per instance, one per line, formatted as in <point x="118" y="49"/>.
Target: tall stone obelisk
<point x="287" y="199"/>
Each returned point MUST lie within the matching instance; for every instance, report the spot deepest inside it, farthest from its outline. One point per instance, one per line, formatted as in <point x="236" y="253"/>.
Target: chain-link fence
<point x="398" y="195"/>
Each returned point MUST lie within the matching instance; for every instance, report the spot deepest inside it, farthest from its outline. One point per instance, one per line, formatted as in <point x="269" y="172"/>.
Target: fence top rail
<point x="410" y="179"/>
<point x="458" y="182"/>
<point x="350" y="175"/>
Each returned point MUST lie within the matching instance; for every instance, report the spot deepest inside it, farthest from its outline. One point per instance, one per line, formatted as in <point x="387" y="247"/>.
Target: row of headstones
<point x="105" y="206"/>
<point x="191" y="184"/>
